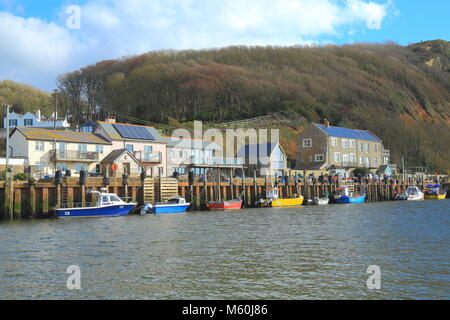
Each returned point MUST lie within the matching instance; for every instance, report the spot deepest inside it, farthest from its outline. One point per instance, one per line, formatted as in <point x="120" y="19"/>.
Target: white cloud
<point x="114" y="28"/>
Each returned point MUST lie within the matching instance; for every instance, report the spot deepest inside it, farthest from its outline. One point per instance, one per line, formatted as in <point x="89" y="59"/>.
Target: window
<point x="367" y="148"/>
<point x="160" y="171"/>
<point x="360" y="147"/>
<point x="345" y="159"/>
<point x="79" y="167"/>
<point x="337" y="157"/>
<point x="13" y="123"/>
<point x="82" y="147"/>
<point x="129" y="147"/>
<point x="62" y="166"/>
<point x="375" y="161"/>
<point x="334" y="142"/>
<point x="307" y="143"/>
<point x="351" y="144"/>
<point x="40" y="165"/>
<point x="39" y="146"/>
<point x="352" y="157"/>
<point x="386" y="160"/>
<point x="367" y="161"/>
<point x="28" y="122"/>
<point x="361" y="160"/>
<point x="148" y="150"/>
<point x="180" y="170"/>
<point x="99" y="149"/>
<point x="344" y="143"/>
<point x="319" y="157"/>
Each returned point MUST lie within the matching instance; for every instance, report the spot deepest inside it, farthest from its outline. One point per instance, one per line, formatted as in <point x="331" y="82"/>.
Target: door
<point x="126" y="168"/>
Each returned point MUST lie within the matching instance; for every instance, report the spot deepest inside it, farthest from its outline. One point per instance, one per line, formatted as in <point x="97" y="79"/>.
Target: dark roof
<point x="348" y="133"/>
<point x="110" y="158"/>
<point x="254" y="150"/>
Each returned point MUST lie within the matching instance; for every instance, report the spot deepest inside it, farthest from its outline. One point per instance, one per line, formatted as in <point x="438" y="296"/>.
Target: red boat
<point x="230" y="205"/>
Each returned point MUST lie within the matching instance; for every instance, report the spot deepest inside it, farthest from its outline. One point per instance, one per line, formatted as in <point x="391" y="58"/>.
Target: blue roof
<point x="348" y="133"/>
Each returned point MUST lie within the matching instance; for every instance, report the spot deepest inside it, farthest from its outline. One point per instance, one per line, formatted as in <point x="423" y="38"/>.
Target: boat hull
<point x="280" y="203"/>
<point x="347" y="199"/>
<point x="435" y="196"/>
<point x="321" y="201"/>
<point x="225" y="205"/>
<point x="106" y="211"/>
<point x="170" y="209"/>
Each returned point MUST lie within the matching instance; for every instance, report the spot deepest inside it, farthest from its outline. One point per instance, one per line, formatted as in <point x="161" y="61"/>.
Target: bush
<point x="21" y="177"/>
<point x="361" y="172"/>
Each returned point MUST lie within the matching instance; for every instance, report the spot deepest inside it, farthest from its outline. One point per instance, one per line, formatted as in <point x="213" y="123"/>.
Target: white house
<point x="36" y="120"/>
<point x="49" y="150"/>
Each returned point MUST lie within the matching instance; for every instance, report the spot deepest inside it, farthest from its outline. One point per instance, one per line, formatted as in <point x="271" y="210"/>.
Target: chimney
<point x="38" y="115"/>
<point x="110" y="120"/>
<point x="326" y="123"/>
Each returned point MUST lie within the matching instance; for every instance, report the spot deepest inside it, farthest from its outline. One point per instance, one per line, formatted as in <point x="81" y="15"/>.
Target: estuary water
<point x="297" y="253"/>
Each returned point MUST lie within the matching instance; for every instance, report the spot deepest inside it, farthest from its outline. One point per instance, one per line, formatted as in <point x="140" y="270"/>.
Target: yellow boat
<point x="436" y="196"/>
<point x="435" y="193"/>
<point x="273" y="201"/>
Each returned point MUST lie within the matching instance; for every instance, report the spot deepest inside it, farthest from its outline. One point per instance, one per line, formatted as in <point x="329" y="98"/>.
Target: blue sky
<point x="37" y="44"/>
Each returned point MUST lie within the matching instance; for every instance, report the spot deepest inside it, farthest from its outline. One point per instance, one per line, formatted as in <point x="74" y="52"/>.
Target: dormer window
<point x="28" y="122"/>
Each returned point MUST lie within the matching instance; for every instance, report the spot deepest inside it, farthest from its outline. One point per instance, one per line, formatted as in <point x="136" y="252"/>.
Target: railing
<point x="149" y="157"/>
<point x="216" y="161"/>
<point x="79" y="156"/>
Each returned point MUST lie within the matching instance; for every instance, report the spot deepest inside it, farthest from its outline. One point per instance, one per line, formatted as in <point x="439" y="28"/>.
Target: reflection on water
<point x="300" y="253"/>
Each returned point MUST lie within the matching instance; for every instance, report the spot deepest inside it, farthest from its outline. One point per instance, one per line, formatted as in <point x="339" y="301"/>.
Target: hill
<point x="402" y="94"/>
<point x="23" y="98"/>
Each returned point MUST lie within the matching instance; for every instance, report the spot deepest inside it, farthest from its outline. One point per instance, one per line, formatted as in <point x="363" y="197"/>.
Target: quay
<point x="37" y="199"/>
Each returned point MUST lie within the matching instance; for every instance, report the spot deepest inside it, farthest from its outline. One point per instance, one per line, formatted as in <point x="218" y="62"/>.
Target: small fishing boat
<point x="349" y="197"/>
<point x="320" y="201"/>
<point x="230" y="205"/>
<point x="272" y="200"/>
<point x="173" y="206"/>
<point x="412" y="193"/>
<point x="435" y="192"/>
<point x="107" y="205"/>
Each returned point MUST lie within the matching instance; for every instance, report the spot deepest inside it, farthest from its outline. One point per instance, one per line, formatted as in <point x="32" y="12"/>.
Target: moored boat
<point x="434" y="192"/>
<point x="349" y="197"/>
<point x="412" y="193"/>
<point x="272" y="200"/>
<point x="172" y="206"/>
<point x="107" y="205"/>
<point x="230" y="205"/>
<point x="320" y="201"/>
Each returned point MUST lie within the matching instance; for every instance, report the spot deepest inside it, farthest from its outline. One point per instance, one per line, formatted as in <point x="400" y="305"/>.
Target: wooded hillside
<point x="402" y="94"/>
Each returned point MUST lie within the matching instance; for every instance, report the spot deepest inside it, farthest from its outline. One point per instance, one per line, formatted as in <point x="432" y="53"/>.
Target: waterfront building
<point x="119" y="162"/>
<point x="143" y="142"/>
<point x="268" y="159"/>
<point x="197" y="155"/>
<point x="325" y="147"/>
<point x="35" y="120"/>
<point x="48" y="151"/>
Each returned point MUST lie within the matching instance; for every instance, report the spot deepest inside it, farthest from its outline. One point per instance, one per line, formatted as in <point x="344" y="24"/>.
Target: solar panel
<point x="133" y="132"/>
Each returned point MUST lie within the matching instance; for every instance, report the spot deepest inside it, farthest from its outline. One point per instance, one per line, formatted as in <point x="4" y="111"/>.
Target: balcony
<point x="148" y="157"/>
<point x="75" y="156"/>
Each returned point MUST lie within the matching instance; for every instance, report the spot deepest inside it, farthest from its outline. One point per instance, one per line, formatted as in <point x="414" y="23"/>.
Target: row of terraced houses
<point x="107" y="147"/>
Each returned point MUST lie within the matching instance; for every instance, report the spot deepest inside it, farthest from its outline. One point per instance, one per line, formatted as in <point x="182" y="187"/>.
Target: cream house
<point x="50" y="150"/>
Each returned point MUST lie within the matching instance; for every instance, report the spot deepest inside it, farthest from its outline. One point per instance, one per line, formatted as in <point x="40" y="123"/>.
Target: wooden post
<point x="205" y="186"/>
<point x="44" y="200"/>
<point x="58" y="195"/>
<point x="255" y="186"/>
<point x="83" y="196"/>
<point x="17" y="203"/>
<point x="32" y="187"/>
<point x="244" y="194"/>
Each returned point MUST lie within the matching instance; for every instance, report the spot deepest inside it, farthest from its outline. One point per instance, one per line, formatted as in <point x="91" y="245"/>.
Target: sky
<point x="40" y="40"/>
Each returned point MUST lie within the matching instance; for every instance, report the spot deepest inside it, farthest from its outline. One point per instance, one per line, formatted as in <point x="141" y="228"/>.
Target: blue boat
<point x="108" y="205"/>
<point x="173" y="206"/>
<point x="348" y="197"/>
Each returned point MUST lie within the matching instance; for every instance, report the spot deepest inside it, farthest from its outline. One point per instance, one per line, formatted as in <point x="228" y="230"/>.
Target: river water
<point x="298" y="253"/>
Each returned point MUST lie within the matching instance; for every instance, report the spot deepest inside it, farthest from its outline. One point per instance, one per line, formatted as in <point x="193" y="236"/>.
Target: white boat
<point x="413" y="193"/>
<point x="320" y="201"/>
